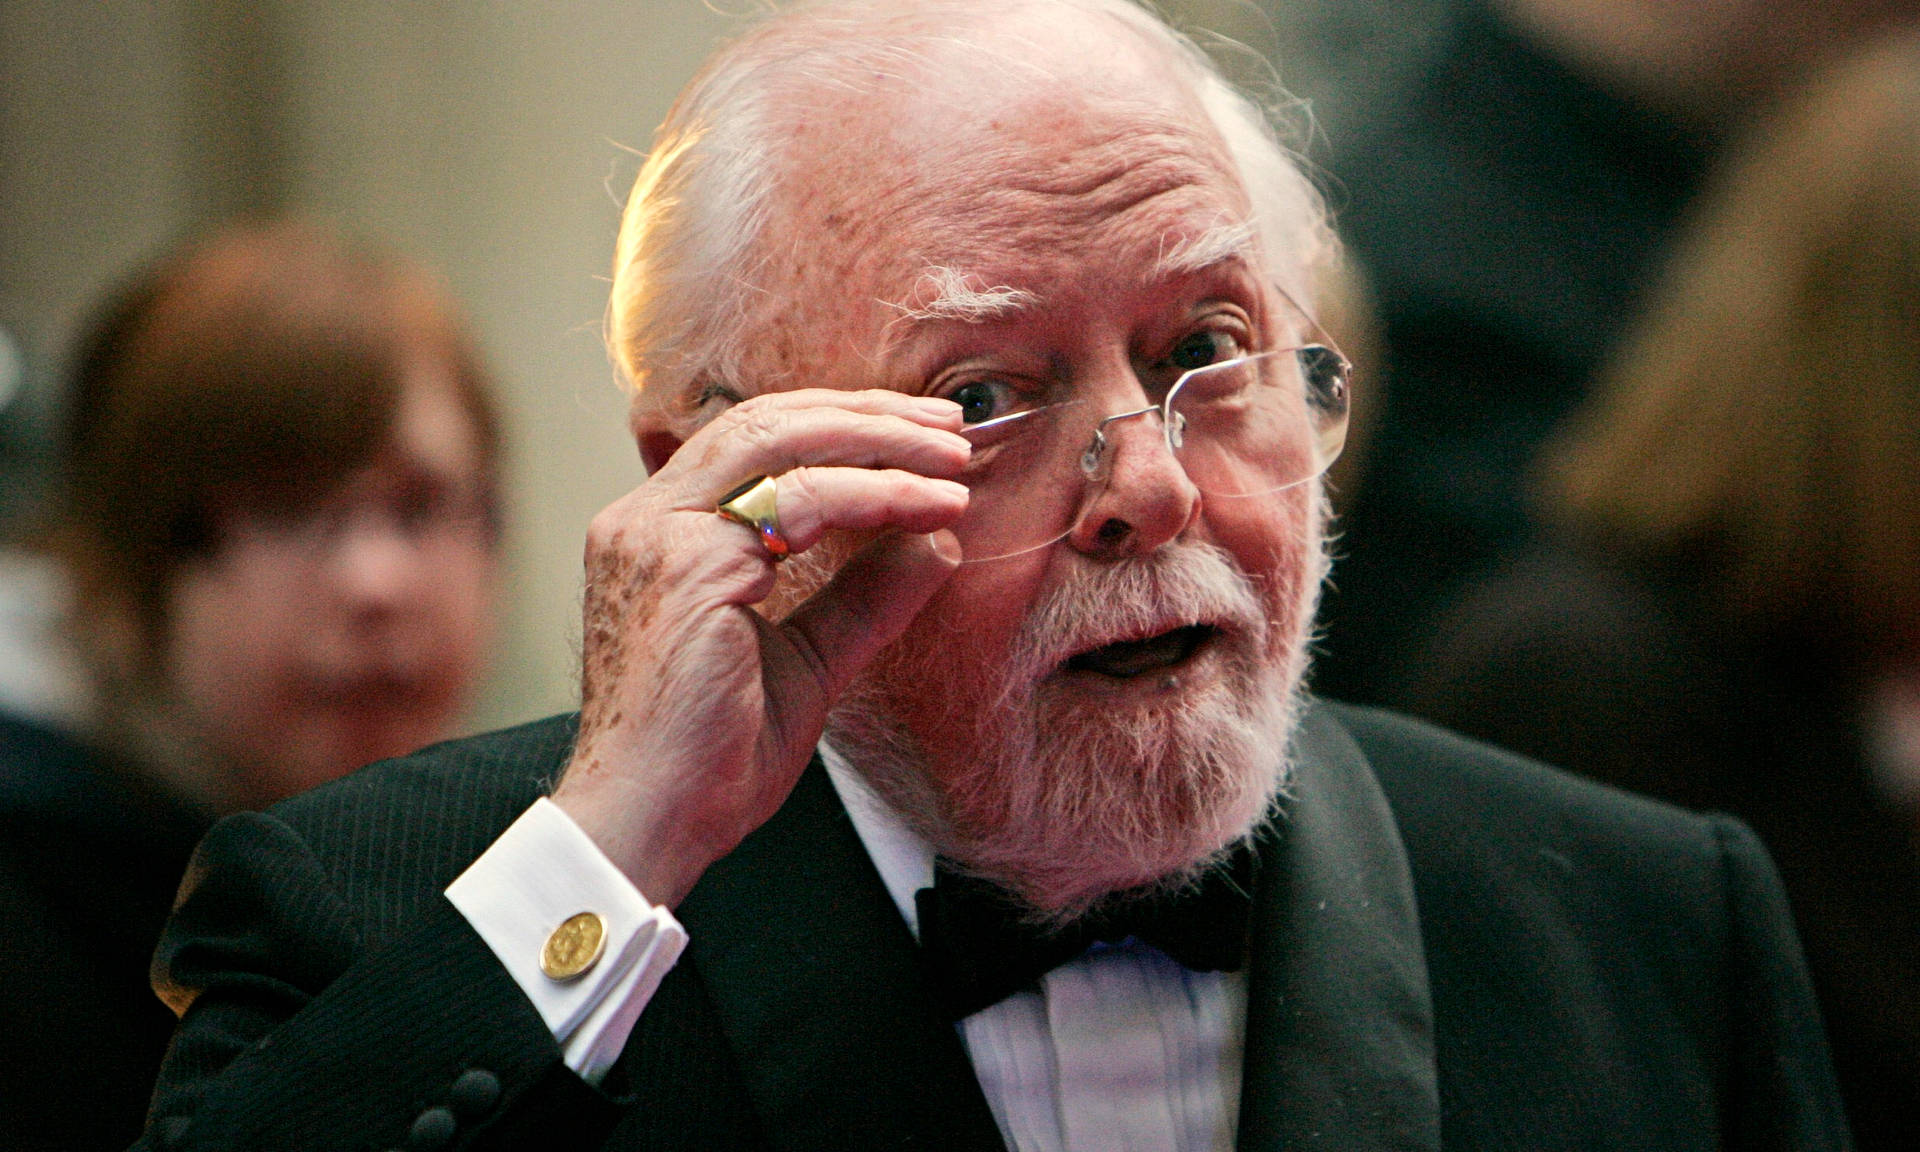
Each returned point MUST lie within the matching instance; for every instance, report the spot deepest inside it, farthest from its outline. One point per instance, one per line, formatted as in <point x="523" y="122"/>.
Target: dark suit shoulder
<point x="1450" y="784"/>
<point x="1553" y="906"/>
<point x="400" y="829"/>
<point x="1503" y="848"/>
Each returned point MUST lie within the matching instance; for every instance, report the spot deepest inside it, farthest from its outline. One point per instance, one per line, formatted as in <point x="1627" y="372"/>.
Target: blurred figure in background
<point x="1732" y="618"/>
<point x="283" y="515"/>
<point x="281" y="530"/>
<point x="1511" y="190"/>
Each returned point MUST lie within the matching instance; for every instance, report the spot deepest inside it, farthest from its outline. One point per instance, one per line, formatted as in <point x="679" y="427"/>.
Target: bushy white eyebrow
<point x="944" y="293"/>
<point x="1216" y="245"/>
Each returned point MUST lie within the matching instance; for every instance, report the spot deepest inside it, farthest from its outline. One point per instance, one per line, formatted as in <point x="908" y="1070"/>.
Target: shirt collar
<point x="903" y="859"/>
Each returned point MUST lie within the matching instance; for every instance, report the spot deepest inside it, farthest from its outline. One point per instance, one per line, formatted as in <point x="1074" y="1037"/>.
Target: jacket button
<point x="432" y="1130"/>
<point x="474" y="1093"/>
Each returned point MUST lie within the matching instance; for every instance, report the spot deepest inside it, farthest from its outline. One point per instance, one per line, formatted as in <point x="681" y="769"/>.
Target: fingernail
<point x="945" y="545"/>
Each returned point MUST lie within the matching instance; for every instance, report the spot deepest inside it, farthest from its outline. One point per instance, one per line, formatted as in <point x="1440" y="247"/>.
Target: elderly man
<point x="996" y="815"/>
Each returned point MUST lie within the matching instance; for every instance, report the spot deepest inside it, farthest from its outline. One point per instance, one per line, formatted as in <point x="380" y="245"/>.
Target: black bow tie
<point x="977" y="948"/>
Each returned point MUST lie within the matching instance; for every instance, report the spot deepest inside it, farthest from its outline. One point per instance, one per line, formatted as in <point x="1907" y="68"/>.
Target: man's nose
<point x="1147" y="499"/>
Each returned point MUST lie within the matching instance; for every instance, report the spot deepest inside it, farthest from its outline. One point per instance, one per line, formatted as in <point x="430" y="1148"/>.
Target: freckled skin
<point x="697" y="714"/>
<point x="618" y="605"/>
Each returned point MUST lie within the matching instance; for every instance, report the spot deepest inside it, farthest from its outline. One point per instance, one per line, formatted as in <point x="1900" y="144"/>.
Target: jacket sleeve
<point x="1785" y="1095"/>
<point x="299" y="1030"/>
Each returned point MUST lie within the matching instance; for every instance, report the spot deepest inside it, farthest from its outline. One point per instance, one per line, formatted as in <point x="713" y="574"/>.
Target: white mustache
<point x="1132" y="599"/>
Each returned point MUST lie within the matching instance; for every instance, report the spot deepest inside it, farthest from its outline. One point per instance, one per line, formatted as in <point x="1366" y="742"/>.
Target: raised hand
<point x="697" y="712"/>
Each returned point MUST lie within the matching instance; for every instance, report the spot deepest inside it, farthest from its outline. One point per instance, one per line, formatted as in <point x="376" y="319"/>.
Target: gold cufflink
<point x="574" y="947"/>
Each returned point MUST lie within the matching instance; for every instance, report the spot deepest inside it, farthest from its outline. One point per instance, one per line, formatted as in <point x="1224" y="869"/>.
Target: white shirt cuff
<point x="542" y="870"/>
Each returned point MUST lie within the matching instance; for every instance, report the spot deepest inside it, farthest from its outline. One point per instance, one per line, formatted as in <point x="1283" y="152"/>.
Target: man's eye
<point x="982" y="400"/>
<point x="1199" y="349"/>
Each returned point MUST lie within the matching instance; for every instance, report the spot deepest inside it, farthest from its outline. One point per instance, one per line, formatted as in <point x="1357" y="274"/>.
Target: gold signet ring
<point x="756" y="504"/>
<point x="574" y="947"/>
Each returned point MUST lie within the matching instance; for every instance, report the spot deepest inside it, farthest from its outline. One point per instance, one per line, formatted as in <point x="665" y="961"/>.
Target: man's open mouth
<point x="1130" y="658"/>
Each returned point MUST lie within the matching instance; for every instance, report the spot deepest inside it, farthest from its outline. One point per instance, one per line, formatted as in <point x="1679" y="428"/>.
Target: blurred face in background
<point x="313" y="641"/>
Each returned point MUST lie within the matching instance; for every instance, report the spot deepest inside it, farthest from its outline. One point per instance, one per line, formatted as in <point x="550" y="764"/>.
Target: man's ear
<point x="656" y="445"/>
<point x="657" y="442"/>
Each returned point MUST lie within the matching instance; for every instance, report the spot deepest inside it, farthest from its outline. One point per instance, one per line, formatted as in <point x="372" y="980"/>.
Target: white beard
<point x="1064" y="802"/>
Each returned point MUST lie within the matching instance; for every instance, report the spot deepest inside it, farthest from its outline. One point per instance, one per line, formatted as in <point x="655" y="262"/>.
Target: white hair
<point x="944" y="293"/>
<point x="684" y="267"/>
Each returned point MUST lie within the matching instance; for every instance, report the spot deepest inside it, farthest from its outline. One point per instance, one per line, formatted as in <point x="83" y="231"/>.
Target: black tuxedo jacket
<point x="1454" y="949"/>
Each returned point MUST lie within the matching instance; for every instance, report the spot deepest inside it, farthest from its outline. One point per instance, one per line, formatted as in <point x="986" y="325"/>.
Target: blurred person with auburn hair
<point x="283" y="515"/>
<point x="1732" y="618"/>
<point x="281" y="530"/>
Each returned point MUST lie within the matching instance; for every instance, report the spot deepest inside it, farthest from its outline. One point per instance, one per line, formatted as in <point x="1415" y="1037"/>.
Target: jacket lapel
<point x="818" y="988"/>
<point x="1340" y="1038"/>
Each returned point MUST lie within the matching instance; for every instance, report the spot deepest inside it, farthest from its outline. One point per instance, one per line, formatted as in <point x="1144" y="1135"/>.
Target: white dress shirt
<point x="1120" y="1049"/>
<point x="541" y="871"/>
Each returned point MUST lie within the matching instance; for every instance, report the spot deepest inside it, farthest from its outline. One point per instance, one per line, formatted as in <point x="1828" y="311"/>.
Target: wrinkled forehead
<point x="1044" y="183"/>
<point x="988" y="155"/>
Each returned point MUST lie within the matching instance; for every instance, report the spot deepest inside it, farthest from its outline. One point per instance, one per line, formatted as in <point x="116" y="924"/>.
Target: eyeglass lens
<point x="1243" y="428"/>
